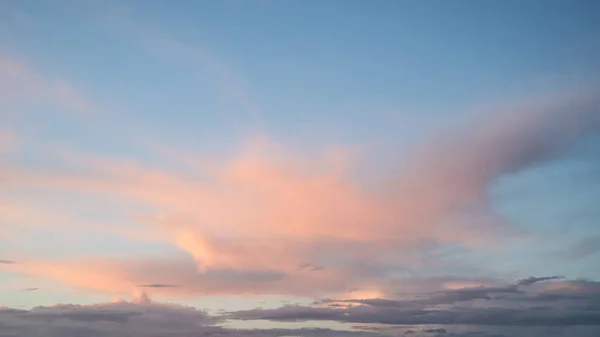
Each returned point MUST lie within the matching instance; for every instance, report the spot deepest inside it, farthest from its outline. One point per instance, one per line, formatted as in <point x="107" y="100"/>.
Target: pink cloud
<point x="121" y="276"/>
<point x="266" y="210"/>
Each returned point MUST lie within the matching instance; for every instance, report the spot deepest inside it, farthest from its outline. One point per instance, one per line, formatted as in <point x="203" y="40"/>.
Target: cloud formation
<point x="532" y="280"/>
<point x="177" y="277"/>
<point x="440" y="331"/>
<point x="561" y="303"/>
<point x="142" y="319"/>
<point x="145" y="318"/>
<point x="292" y="210"/>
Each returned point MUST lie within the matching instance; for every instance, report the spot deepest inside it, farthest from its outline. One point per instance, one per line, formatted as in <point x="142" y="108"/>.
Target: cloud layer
<point x="554" y="303"/>
<point x="548" y="307"/>
<point x="140" y="318"/>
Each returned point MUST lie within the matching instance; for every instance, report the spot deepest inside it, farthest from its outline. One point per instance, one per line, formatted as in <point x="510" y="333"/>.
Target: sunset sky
<point x="250" y="168"/>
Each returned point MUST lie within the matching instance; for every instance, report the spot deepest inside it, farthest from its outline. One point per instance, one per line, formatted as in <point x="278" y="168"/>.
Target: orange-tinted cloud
<point x="268" y="209"/>
<point x="117" y="276"/>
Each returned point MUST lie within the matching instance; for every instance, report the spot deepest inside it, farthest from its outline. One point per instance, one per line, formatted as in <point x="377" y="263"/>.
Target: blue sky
<point x="259" y="153"/>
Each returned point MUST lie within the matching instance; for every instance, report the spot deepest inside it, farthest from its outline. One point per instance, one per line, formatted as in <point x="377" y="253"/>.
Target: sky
<point x="263" y="168"/>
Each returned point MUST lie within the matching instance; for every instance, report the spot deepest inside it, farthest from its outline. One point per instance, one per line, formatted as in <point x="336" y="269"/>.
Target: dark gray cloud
<point x="30" y="289"/>
<point x="309" y="267"/>
<point x="7" y="311"/>
<point x="6" y="262"/>
<point x="541" y="316"/>
<point x="532" y="280"/>
<point x="436" y="298"/>
<point x="144" y="319"/>
<point x="435" y="331"/>
<point x="158" y="285"/>
<point x="467" y="294"/>
<point x="571" y="303"/>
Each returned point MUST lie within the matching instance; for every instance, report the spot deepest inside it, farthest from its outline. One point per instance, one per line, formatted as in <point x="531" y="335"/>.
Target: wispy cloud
<point x="582" y="248"/>
<point x="22" y="85"/>
<point x="123" y="276"/>
<point x="30" y="289"/>
<point x="532" y="280"/>
<point x="198" y="58"/>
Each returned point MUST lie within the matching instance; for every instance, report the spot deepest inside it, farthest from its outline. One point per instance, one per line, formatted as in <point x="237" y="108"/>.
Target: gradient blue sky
<point x="419" y="113"/>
